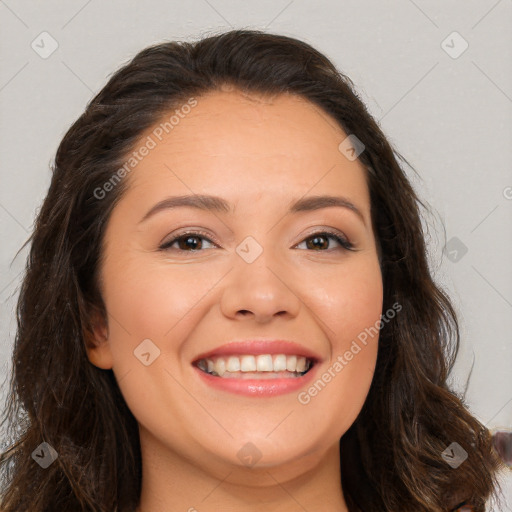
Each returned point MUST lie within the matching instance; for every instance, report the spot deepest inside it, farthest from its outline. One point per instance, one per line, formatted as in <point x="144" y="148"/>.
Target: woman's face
<point x="257" y="270"/>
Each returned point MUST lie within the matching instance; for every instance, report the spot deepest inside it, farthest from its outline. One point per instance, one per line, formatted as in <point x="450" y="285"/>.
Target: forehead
<point x="235" y="144"/>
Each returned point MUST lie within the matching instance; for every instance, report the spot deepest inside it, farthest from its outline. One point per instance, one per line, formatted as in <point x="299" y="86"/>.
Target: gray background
<point x="446" y="110"/>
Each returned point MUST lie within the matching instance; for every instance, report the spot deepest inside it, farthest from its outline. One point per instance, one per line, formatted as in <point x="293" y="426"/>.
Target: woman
<point x="228" y="304"/>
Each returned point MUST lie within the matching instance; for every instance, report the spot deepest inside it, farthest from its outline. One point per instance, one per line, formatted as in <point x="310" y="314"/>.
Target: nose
<point x="259" y="291"/>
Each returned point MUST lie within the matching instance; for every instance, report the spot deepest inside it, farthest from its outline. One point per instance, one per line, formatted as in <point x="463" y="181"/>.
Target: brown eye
<point x="320" y="241"/>
<point x="187" y="242"/>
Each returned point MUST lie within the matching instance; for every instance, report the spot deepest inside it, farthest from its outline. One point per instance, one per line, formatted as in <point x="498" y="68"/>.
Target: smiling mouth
<point x="263" y="366"/>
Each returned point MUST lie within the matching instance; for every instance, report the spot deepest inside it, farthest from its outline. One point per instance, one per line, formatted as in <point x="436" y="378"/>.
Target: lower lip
<point x="257" y="387"/>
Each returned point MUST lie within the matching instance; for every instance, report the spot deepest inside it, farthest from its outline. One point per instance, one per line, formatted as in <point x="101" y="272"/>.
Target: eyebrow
<point x="217" y="204"/>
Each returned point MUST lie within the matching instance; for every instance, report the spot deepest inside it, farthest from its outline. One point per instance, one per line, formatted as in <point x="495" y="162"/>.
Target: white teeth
<point x="247" y="363"/>
<point x="251" y="363"/>
<point x="264" y="363"/>
<point x="220" y="366"/>
<point x="280" y="363"/>
<point x="301" y="364"/>
<point x="291" y="363"/>
<point x="233" y="364"/>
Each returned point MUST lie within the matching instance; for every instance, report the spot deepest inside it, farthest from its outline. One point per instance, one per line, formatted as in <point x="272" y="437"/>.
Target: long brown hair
<point x="391" y="455"/>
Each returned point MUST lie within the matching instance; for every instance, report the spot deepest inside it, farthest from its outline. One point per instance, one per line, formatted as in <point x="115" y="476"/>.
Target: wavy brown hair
<point x="391" y="455"/>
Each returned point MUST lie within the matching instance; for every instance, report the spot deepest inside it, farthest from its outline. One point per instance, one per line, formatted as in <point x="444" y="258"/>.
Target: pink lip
<point x="257" y="387"/>
<point x="257" y="347"/>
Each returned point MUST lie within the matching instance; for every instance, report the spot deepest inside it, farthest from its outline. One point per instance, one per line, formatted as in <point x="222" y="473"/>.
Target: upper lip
<point x="257" y="347"/>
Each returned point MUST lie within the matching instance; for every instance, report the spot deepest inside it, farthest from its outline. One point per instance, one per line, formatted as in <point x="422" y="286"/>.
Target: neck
<point x="171" y="482"/>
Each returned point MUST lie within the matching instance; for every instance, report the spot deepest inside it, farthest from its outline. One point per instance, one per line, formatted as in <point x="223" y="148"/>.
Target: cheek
<point x="348" y="299"/>
<point x="151" y="301"/>
<point x="148" y="299"/>
<point x="349" y="305"/>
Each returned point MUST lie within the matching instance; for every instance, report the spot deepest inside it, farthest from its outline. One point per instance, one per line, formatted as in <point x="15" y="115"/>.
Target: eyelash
<point x="345" y="244"/>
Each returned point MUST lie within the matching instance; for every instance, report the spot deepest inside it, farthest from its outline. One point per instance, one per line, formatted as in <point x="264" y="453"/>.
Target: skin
<point x="259" y="154"/>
